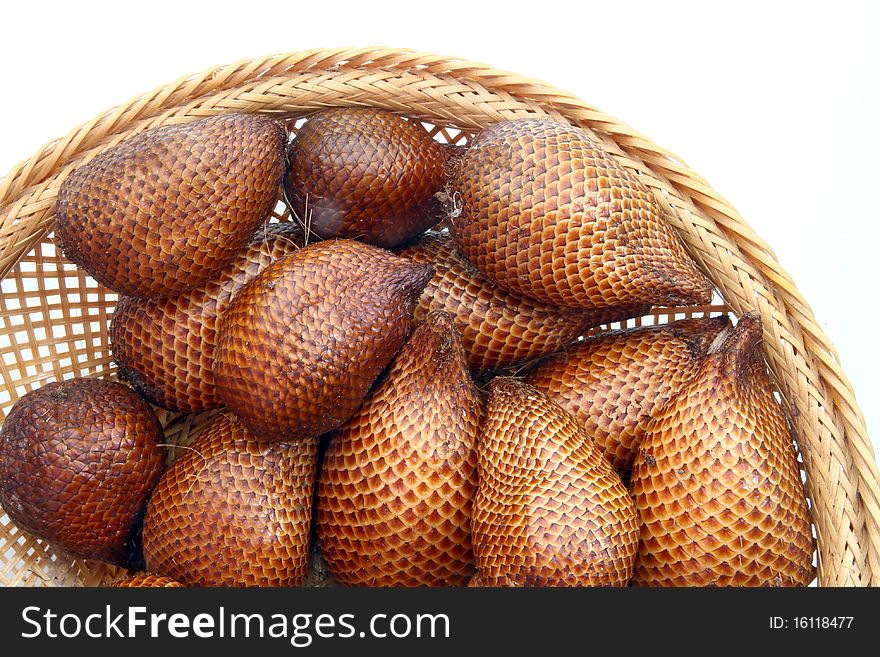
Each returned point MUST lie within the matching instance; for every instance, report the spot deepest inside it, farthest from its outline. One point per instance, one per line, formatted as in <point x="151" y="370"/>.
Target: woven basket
<point x="54" y="319"/>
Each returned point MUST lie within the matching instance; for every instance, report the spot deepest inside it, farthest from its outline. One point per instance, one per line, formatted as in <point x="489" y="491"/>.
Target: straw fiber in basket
<point x="54" y="319"/>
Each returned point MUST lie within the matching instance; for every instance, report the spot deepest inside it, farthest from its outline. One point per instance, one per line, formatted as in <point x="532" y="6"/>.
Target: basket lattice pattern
<point x="54" y="319"/>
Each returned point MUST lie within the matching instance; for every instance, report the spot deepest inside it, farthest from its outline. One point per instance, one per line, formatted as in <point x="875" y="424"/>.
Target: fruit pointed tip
<point x="696" y="290"/>
<point x="749" y="328"/>
<point x="439" y="330"/>
<point x="720" y="322"/>
<point x="704" y="335"/>
<point x="680" y="281"/>
<point x="742" y="343"/>
<point x="441" y="321"/>
<point x="508" y="387"/>
<point x="415" y="276"/>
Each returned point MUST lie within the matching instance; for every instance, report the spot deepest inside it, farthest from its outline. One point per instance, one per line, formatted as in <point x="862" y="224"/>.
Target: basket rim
<point x="807" y="366"/>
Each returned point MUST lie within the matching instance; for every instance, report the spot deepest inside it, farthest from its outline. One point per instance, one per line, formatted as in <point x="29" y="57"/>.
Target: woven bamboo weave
<point x="54" y="318"/>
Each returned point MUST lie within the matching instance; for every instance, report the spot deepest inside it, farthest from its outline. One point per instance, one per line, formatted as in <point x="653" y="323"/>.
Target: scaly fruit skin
<point x="165" y="210"/>
<point x="547" y="213"/>
<point x="78" y="459"/>
<point x="365" y="174"/>
<point x="145" y="580"/>
<point x="300" y="346"/>
<point x="613" y="382"/>
<point x="233" y="510"/>
<point x="549" y="510"/>
<point x="396" y="486"/>
<point x="165" y="347"/>
<point x="717" y="483"/>
<point x="499" y="329"/>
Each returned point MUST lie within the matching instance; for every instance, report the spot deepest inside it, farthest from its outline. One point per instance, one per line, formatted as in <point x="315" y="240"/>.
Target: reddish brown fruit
<point x="365" y="174"/>
<point x="613" y="382"/>
<point x="545" y="212"/>
<point x="499" y="329"/>
<point x="143" y="580"/>
<point x="165" y="347"/>
<point x="78" y="459"/>
<point x="233" y="510"/>
<point x="299" y="347"/>
<point x="165" y="210"/>
<point x="396" y="486"/>
<point x="717" y="483"/>
<point x="549" y="510"/>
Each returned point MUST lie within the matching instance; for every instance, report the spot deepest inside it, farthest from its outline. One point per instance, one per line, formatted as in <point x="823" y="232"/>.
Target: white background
<point x="775" y="104"/>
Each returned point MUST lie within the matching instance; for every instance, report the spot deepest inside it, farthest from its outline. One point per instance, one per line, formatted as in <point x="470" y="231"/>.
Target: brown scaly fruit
<point x="233" y="510"/>
<point x="165" y="210"/>
<point x="499" y="329"/>
<point x="78" y="459"/>
<point x="165" y="347"/>
<point x="145" y="580"/>
<point x="300" y="346"/>
<point x="549" y="509"/>
<point x="716" y="480"/>
<point x="544" y="211"/>
<point x="613" y="382"/>
<point x="396" y="486"/>
<point x="365" y="174"/>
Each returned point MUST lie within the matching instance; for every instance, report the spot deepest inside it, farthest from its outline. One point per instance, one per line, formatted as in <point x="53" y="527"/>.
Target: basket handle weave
<point x="838" y="456"/>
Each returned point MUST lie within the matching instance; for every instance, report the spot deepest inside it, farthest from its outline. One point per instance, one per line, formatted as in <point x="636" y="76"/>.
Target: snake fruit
<point x="78" y="459"/>
<point x="144" y="580"/>
<point x="716" y="480"/>
<point x="544" y="211"/>
<point x="365" y="174"/>
<point x="300" y="345"/>
<point x="499" y="329"/>
<point x="549" y="509"/>
<point x="233" y="510"/>
<point x="165" y="210"/>
<point x="396" y="486"/>
<point x="165" y="347"/>
<point x="614" y="382"/>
